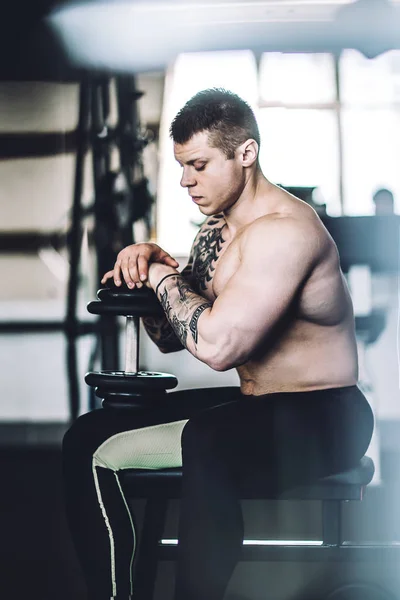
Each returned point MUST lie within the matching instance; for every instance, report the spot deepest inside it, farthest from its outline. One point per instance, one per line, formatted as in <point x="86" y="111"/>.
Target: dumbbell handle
<point x="132" y="345"/>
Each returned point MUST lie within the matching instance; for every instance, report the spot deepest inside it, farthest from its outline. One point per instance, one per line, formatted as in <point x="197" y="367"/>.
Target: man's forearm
<point x="160" y="329"/>
<point x="162" y="334"/>
<point x="183" y="308"/>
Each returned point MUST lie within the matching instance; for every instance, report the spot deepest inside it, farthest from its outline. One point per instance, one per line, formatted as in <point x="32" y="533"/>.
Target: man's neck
<point x="254" y="202"/>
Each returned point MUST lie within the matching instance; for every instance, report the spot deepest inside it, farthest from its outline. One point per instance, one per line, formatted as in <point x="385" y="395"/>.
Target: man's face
<point x="213" y="181"/>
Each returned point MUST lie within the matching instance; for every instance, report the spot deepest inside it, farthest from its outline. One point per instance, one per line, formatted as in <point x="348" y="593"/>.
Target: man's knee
<point x="84" y="435"/>
<point x="199" y="437"/>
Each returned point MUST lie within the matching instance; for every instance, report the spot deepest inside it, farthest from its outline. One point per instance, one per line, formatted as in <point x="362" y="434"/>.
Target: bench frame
<point x="158" y="487"/>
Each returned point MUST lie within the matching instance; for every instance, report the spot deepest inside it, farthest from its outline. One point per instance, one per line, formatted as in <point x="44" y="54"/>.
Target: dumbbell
<point x="129" y="388"/>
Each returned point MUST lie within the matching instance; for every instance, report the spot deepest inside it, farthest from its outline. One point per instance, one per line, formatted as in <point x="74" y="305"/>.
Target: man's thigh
<point x="93" y="429"/>
<point x="292" y="439"/>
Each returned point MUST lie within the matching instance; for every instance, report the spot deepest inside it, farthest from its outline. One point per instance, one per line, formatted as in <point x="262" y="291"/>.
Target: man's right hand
<point x="133" y="264"/>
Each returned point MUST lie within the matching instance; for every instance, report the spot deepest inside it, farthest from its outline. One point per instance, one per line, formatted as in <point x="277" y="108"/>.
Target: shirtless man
<point x="263" y="293"/>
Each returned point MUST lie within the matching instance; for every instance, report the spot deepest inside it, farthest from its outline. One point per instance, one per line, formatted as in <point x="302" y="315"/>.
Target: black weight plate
<point x="145" y="401"/>
<point x="123" y="291"/>
<point x="119" y="381"/>
<point x="144" y="295"/>
<point x="98" y="307"/>
<point x="360" y="591"/>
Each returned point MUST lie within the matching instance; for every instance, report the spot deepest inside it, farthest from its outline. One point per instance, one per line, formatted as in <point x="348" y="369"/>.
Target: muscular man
<point x="263" y="292"/>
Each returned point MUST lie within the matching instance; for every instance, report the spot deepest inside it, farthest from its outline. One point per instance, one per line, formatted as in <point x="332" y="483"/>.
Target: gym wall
<point x="36" y="195"/>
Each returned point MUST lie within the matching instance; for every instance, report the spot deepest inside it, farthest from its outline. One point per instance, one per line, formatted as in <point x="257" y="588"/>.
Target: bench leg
<point x="331" y="522"/>
<point x="145" y="570"/>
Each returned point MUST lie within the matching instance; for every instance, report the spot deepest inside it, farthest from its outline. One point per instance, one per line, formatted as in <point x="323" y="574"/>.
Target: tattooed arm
<point x="171" y="333"/>
<point x="182" y="305"/>
<point x="226" y="334"/>
<point x="196" y="274"/>
<point x="159" y="328"/>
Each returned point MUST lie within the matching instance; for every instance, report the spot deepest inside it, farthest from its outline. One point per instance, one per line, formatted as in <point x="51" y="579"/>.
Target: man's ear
<point x="248" y="152"/>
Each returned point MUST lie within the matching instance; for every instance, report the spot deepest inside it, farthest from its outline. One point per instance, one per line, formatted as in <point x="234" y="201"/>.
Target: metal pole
<point x="340" y="132"/>
<point x="109" y="338"/>
<point x="71" y="324"/>
<point x="132" y="345"/>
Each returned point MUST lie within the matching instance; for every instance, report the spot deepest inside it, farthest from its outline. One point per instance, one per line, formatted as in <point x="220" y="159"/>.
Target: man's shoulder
<point x="283" y="223"/>
<point x="209" y="234"/>
<point x="276" y="231"/>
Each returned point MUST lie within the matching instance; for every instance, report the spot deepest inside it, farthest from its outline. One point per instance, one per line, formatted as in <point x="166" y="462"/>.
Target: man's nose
<point x="187" y="179"/>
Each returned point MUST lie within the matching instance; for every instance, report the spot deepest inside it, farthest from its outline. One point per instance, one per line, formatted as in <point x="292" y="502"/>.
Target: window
<point x="330" y="125"/>
<point x="298" y="123"/>
<point x="370" y="102"/>
<point x="191" y="73"/>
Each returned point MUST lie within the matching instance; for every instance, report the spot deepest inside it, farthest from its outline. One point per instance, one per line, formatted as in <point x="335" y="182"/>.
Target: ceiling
<point x="53" y="39"/>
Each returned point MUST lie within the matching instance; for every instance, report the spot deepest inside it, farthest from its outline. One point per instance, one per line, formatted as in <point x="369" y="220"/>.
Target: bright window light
<point x="299" y="147"/>
<point x="297" y="78"/>
<point x="370" y="96"/>
<point x="371" y="145"/>
<point x="295" y="101"/>
<point x="373" y="82"/>
<point x="177" y="216"/>
<point x="174" y="542"/>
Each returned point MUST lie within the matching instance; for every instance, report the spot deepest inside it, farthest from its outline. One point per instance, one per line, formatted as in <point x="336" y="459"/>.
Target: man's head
<point x="228" y="120"/>
<point x="216" y="140"/>
<point x="384" y="202"/>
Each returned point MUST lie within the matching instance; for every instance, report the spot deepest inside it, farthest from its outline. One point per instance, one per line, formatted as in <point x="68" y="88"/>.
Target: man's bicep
<point x="260" y="292"/>
<point x="250" y="305"/>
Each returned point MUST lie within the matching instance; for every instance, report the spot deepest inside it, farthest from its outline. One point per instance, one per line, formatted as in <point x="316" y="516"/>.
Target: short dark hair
<point x="229" y="120"/>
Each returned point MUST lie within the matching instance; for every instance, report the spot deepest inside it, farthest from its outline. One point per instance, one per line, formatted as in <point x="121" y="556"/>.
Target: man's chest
<point x="215" y="260"/>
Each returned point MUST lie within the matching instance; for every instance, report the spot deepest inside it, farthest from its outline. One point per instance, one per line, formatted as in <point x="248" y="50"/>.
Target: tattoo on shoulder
<point x="206" y="249"/>
<point x="187" y="271"/>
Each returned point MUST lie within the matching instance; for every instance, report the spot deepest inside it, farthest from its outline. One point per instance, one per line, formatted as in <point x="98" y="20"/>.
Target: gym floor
<point x="37" y="555"/>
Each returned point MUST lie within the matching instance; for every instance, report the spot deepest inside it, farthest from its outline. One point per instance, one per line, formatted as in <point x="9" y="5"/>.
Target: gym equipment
<point x="129" y="388"/>
<point x="159" y="487"/>
<point x="120" y="198"/>
<point x="138" y="389"/>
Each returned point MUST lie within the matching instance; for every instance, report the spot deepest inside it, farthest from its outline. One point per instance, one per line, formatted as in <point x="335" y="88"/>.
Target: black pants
<point x="288" y="439"/>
